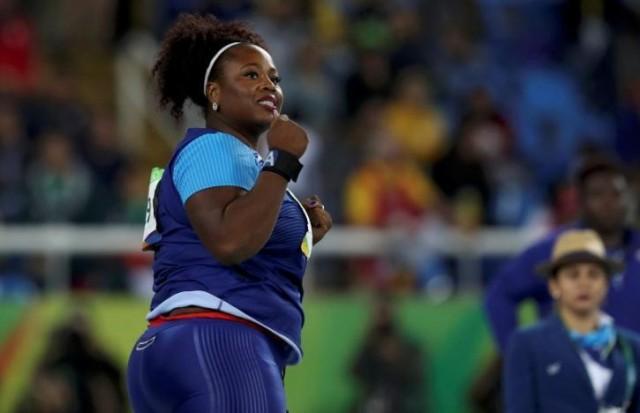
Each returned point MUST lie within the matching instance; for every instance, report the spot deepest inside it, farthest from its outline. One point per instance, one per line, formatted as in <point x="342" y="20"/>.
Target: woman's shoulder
<point x="215" y="148"/>
<point x="216" y="140"/>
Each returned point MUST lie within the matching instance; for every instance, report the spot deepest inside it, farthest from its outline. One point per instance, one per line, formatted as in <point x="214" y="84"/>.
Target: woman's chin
<point x="263" y="122"/>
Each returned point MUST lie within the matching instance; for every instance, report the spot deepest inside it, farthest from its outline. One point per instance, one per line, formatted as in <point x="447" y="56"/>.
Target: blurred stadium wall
<point x="332" y="334"/>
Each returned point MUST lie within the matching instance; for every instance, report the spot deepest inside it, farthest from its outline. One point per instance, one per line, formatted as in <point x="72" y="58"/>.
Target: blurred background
<point x="443" y="137"/>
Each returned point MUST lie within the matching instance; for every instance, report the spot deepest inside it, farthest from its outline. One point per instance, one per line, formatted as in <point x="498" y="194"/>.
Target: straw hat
<point x="576" y="246"/>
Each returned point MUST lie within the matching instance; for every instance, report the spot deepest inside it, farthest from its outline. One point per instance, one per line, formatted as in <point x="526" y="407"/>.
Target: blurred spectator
<point x="552" y="123"/>
<point x="103" y="151"/>
<point x="75" y="375"/>
<point x="518" y="103"/>
<point x="389" y="367"/>
<point x="329" y="22"/>
<point x="481" y="113"/>
<point x="132" y="190"/>
<point x="513" y="199"/>
<point x="485" y="393"/>
<point x="418" y="250"/>
<point x="604" y="198"/>
<point x="283" y="25"/>
<point x="17" y="49"/>
<point x="106" y="161"/>
<point x="513" y="30"/>
<point x="57" y="106"/>
<point x="13" y="152"/>
<point x="413" y="119"/>
<point x="139" y="274"/>
<point x="370" y="79"/>
<point x="60" y="22"/>
<point x="58" y="182"/>
<point x="408" y="40"/>
<point x="578" y="267"/>
<point x="463" y="178"/>
<point x="564" y="203"/>
<point x="369" y="24"/>
<point x="312" y="180"/>
<point x="310" y="92"/>
<point x="628" y="131"/>
<point x="388" y="188"/>
<point x="460" y="64"/>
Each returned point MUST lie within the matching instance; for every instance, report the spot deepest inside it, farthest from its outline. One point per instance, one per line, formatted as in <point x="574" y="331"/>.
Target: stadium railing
<point x="57" y="243"/>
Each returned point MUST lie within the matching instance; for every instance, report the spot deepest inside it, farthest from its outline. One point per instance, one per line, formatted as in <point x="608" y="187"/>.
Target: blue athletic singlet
<point x="217" y="365"/>
<point x="266" y="288"/>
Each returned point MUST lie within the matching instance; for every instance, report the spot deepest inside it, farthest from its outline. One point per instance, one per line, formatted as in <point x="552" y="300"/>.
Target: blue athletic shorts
<point x="206" y="365"/>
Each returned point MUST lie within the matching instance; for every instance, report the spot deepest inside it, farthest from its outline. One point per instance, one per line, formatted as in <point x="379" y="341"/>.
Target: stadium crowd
<point x="466" y="113"/>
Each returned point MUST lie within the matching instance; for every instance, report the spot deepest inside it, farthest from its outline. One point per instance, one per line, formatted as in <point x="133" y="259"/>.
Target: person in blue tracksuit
<point x="577" y="360"/>
<point x="231" y="243"/>
<point x="605" y="202"/>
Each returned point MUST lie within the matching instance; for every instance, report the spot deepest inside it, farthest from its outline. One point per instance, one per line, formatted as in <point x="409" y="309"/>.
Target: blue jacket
<point x="518" y="282"/>
<point x="543" y="373"/>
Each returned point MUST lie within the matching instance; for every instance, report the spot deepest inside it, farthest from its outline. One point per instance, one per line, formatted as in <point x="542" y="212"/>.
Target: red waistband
<point x="218" y="315"/>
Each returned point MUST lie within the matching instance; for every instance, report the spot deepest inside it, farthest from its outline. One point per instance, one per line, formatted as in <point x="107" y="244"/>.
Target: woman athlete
<point x="231" y="242"/>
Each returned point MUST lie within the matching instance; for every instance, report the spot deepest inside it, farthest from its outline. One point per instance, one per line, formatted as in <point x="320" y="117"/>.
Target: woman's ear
<point x="213" y="92"/>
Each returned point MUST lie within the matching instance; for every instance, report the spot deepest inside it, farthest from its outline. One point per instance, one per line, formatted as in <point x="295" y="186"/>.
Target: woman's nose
<point x="268" y="84"/>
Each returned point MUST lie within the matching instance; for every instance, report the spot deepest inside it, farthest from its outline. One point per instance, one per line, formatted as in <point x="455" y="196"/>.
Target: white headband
<point x="213" y="61"/>
<point x="217" y="56"/>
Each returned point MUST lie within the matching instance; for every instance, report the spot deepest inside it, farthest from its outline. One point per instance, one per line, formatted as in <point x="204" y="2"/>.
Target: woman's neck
<point x="579" y="322"/>
<point x="248" y="137"/>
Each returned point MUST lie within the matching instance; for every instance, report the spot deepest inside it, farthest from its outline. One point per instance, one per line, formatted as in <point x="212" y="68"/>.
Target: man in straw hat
<point x="575" y="361"/>
<point x="605" y="202"/>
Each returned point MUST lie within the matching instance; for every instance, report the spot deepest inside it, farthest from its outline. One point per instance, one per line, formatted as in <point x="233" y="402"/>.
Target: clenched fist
<point x="288" y="136"/>
<point x="321" y="221"/>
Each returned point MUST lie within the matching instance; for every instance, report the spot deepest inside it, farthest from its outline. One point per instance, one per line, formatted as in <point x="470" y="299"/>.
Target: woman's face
<point x="579" y="288"/>
<point x="248" y="91"/>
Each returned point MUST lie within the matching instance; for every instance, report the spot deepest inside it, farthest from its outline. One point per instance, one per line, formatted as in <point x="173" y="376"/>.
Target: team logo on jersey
<point x="151" y="235"/>
<point x="258" y="159"/>
<point x="145" y="343"/>
<point x="307" y="244"/>
<point x="271" y="159"/>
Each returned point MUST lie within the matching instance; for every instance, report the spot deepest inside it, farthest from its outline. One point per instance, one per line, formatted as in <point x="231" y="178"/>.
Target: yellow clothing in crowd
<point x="419" y="130"/>
<point x="382" y="191"/>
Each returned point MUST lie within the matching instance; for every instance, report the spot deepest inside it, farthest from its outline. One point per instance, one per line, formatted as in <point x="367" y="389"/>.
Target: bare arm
<point x="234" y="224"/>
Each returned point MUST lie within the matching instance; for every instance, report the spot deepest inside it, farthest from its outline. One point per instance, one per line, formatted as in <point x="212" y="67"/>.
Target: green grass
<point x="10" y="312"/>
<point x="453" y="334"/>
<point x="38" y="319"/>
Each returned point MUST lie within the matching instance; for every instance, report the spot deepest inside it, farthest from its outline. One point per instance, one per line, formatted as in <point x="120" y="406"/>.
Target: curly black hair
<point x="185" y="53"/>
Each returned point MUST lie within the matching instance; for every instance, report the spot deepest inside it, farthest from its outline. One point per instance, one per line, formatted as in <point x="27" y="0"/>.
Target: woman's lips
<point x="267" y="104"/>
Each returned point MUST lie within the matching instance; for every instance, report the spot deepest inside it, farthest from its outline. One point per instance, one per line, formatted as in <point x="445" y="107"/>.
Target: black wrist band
<point x="283" y="163"/>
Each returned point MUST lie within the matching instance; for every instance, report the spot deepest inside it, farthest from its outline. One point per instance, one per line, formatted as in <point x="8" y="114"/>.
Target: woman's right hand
<point x="288" y="136"/>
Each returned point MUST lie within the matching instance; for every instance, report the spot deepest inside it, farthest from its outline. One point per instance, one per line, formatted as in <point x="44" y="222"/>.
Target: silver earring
<point x="214" y="106"/>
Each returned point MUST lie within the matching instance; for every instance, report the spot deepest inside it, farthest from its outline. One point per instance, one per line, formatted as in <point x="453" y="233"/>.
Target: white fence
<point x="57" y="243"/>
